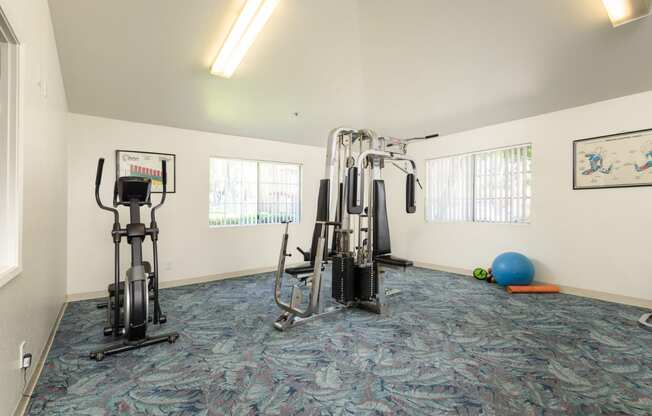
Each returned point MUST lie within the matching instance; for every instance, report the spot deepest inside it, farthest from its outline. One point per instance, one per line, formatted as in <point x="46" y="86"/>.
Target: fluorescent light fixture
<point x="625" y="11"/>
<point x="253" y="17"/>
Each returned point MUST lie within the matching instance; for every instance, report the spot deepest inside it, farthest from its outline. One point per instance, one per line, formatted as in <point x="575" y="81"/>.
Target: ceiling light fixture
<point x="253" y="17"/>
<point x="624" y="11"/>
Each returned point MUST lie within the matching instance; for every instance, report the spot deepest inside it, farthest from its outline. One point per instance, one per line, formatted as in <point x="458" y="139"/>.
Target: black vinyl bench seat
<point x="389" y="260"/>
<point x="302" y="272"/>
<point x="305" y="268"/>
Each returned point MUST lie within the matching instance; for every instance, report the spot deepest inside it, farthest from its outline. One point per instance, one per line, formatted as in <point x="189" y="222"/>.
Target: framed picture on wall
<point x="613" y="161"/>
<point x="147" y="165"/>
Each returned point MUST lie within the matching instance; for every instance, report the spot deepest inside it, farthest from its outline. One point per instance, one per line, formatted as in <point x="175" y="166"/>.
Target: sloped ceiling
<point x="403" y="67"/>
<point x="455" y="65"/>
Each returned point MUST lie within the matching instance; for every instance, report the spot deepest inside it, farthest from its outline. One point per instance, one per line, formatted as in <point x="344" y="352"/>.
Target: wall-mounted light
<point x="625" y="11"/>
<point x="253" y="17"/>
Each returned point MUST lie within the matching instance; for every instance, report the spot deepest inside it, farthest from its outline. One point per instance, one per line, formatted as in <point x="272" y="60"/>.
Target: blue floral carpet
<point x="450" y="345"/>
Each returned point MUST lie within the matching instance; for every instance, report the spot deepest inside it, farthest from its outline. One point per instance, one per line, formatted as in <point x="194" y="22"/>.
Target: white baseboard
<point x="569" y="290"/>
<point x="448" y="269"/>
<point x="85" y="296"/>
<point x="216" y="277"/>
<point x="608" y="297"/>
<point x="36" y="374"/>
<point x="178" y="282"/>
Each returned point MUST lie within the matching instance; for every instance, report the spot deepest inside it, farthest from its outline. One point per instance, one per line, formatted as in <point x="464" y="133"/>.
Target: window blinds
<point x="245" y="192"/>
<point x="490" y="186"/>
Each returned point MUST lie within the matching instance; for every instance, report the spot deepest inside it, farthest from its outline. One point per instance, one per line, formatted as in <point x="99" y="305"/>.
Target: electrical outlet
<point x="27" y="361"/>
<point x="21" y="353"/>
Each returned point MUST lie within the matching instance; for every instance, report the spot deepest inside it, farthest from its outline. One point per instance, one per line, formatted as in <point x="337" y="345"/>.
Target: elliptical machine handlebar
<point x="98" y="181"/>
<point x="98" y="175"/>
<point x="164" y="177"/>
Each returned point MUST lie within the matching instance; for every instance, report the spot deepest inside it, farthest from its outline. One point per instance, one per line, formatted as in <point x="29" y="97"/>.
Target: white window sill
<point x="250" y="225"/>
<point x="7" y="273"/>
<point x="521" y="223"/>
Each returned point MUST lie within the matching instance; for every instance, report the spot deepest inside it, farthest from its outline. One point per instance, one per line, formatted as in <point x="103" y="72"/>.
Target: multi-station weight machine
<point x="360" y="249"/>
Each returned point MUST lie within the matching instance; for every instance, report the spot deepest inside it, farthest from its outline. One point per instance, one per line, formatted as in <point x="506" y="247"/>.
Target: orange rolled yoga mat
<point x="533" y="289"/>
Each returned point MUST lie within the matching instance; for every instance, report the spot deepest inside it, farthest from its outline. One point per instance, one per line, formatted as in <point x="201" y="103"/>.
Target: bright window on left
<point x="248" y="192"/>
<point x="10" y="177"/>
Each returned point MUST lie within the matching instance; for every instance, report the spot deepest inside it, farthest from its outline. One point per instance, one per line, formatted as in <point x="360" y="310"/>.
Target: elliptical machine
<point x="128" y="300"/>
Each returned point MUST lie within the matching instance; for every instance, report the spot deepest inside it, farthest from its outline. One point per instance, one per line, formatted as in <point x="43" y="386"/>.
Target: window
<point x="492" y="186"/>
<point x="246" y="192"/>
<point x="10" y="185"/>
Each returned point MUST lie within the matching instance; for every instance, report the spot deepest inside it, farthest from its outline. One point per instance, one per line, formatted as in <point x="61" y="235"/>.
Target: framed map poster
<point x="613" y="161"/>
<point x="147" y="165"/>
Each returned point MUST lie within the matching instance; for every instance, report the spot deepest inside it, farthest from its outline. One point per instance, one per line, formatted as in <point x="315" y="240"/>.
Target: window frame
<point x="11" y="179"/>
<point x="473" y="201"/>
<point x="258" y="162"/>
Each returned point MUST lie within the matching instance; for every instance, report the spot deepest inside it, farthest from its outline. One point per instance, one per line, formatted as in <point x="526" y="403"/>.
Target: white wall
<point x="189" y="248"/>
<point x="29" y="303"/>
<point x="590" y="239"/>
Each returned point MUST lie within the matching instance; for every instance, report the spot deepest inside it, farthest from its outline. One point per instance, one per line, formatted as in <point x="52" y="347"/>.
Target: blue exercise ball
<point x="512" y="269"/>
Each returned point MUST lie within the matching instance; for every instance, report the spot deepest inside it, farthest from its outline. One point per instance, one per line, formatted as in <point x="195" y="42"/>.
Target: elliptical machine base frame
<point x="128" y="346"/>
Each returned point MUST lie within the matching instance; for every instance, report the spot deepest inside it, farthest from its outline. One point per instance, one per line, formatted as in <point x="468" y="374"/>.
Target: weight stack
<point x="343" y="290"/>
<point x="366" y="282"/>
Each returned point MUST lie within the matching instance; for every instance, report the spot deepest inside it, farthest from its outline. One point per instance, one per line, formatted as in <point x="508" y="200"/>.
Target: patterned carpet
<point x="450" y="345"/>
